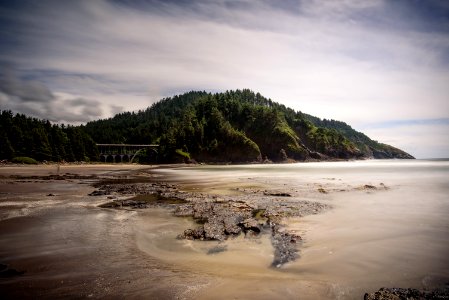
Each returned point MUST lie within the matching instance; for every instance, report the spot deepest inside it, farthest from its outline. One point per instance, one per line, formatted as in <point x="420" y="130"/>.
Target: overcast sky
<point x="380" y="66"/>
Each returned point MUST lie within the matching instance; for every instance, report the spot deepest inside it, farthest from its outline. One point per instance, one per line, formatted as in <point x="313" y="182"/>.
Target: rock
<point x="185" y="210"/>
<point x="217" y="249"/>
<point x="285" y="246"/>
<point x="214" y="229"/>
<point x="193" y="234"/>
<point x="202" y="210"/>
<point x="220" y="217"/>
<point x="384" y="186"/>
<point x="231" y="224"/>
<point x="113" y="204"/>
<point x="315" y="155"/>
<point x="251" y="224"/>
<point x="369" y="187"/>
<point x="279" y="194"/>
<point x="399" y="294"/>
<point x="51" y="195"/>
<point x="99" y="193"/>
<point x="6" y="272"/>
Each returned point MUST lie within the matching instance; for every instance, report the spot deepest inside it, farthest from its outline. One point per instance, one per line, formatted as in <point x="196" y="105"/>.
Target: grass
<point x="24" y="160"/>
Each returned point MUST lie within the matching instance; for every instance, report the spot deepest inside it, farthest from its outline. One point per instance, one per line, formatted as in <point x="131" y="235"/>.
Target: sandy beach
<point x="66" y="247"/>
<point x="57" y="242"/>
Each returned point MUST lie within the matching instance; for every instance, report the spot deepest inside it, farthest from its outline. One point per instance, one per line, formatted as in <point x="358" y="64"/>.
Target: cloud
<point x="422" y="138"/>
<point x="403" y="123"/>
<point x="351" y="60"/>
<point x="24" y="91"/>
<point x="115" y="109"/>
<point x="35" y="99"/>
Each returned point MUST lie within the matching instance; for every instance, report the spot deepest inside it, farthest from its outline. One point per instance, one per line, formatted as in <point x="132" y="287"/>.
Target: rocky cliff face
<point x="390" y="152"/>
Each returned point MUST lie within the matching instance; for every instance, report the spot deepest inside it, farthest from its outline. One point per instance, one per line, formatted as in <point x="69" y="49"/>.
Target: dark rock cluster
<point x="6" y="272"/>
<point x="407" y="294"/>
<point x="285" y="246"/>
<point x="220" y="218"/>
<point x="123" y="187"/>
<point x="66" y="176"/>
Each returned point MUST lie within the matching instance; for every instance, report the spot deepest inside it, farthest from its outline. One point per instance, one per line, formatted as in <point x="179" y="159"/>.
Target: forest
<point x="23" y="136"/>
<point x="232" y="127"/>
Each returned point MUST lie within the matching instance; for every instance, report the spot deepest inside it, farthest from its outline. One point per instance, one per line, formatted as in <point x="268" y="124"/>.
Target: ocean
<point x="388" y="227"/>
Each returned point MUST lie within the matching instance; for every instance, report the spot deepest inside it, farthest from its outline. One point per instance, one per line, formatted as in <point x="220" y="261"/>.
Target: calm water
<point x="396" y="236"/>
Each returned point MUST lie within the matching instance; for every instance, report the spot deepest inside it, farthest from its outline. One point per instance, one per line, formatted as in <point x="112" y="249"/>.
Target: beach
<point x="352" y="227"/>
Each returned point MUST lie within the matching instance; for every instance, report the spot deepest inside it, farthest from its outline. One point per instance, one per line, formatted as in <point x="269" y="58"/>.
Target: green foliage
<point x="22" y="136"/>
<point x="366" y="146"/>
<point x="6" y="149"/>
<point x="184" y="155"/>
<point x="146" y="156"/>
<point x="234" y="126"/>
<point x="24" y="160"/>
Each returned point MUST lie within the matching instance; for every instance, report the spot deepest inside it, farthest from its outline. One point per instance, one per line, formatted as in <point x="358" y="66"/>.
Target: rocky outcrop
<point x="285" y="246"/>
<point x="406" y="294"/>
<point x="388" y="152"/>
<point x="259" y="212"/>
<point x="222" y="220"/>
<point x="218" y="220"/>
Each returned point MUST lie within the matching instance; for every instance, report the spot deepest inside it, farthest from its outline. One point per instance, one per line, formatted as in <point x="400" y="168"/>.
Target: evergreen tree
<point x="6" y="149"/>
<point x="234" y="126"/>
<point x="41" y="147"/>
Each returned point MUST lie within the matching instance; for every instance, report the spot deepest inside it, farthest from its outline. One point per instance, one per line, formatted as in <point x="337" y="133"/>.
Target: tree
<point x="41" y="147"/>
<point x="6" y="149"/>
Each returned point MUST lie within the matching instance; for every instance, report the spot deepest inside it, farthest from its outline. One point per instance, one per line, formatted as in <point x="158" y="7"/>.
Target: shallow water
<point x="396" y="235"/>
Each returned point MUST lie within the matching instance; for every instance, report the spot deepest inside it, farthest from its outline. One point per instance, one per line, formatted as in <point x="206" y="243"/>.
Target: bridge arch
<point x="117" y="153"/>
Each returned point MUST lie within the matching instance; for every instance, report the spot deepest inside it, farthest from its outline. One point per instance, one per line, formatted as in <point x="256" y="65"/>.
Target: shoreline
<point x="289" y="161"/>
<point x="35" y="183"/>
<point x="58" y="243"/>
<point x="70" y="201"/>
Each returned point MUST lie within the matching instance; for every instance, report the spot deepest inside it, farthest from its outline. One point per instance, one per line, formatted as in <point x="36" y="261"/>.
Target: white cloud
<point x="326" y="58"/>
<point x="423" y="140"/>
<point x="35" y="99"/>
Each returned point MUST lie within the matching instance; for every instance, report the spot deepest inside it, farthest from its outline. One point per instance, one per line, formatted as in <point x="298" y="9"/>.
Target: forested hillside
<point x="369" y="147"/>
<point x="22" y="136"/>
<point x="236" y="126"/>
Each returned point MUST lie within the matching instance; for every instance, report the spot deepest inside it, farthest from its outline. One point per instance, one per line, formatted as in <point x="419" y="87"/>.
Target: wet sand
<point x="68" y="247"/>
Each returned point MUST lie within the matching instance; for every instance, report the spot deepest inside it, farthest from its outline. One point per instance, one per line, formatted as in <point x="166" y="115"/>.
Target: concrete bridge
<point x="117" y="153"/>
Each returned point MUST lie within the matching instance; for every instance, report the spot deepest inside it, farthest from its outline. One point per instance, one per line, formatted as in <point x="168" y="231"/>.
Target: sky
<point x="380" y="66"/>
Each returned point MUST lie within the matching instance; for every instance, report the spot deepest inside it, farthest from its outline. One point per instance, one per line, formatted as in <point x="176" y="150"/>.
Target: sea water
<point x="393" y="235"/>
